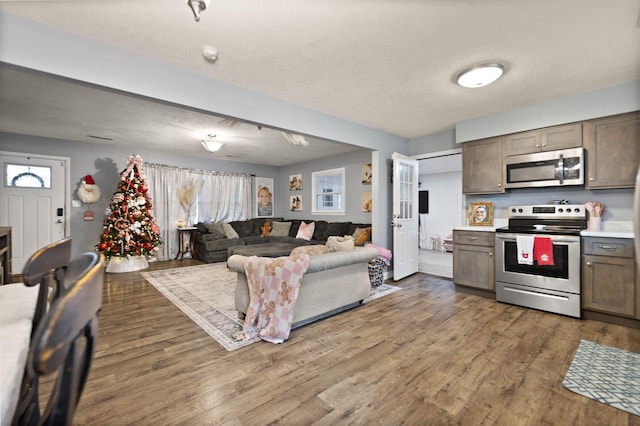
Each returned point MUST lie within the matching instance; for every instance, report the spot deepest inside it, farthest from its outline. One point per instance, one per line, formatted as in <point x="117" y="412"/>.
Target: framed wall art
<point x="366" y="173"/>
<point x="295" y="203"/>
<point x="295" y="182"/>
<point x="264" y="197"/>
<point x="481" y="213"/>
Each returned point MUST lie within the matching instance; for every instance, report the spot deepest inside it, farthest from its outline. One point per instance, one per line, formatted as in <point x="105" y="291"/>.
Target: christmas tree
<point x="129" y="228"/>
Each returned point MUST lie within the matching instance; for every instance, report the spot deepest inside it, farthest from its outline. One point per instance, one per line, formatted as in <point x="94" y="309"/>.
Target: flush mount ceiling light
<point x="210" y="144"/>
<point x="197" y="6"/>
<point x="480" y="75"/>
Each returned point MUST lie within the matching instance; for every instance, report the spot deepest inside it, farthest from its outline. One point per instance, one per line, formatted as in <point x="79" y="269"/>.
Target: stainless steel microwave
<point x="549" y="168"/>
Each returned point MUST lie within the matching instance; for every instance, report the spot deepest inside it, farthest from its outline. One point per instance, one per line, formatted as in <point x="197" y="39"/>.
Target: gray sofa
<point x="333" y="283"/>
<point x="209" y="246"/>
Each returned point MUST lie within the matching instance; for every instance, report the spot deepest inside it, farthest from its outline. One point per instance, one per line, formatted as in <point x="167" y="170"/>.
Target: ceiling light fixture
<point x="480" y="75"/>
<point x="197" y="6"/>
<point x="210" y="144"/>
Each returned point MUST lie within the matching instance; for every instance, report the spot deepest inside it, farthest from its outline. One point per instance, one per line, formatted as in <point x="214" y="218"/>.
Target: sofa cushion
<point x="295" y="224"/>
<point x="215" y="229"/>
<point x="338" y="229"/>
<point x="280" y="229"/>
<point x="244" y="228"/>
<point x="321" y="229"/>
<point x="229" y="231"/>
<point x="305" y="231"/>
<point x="217" y="245"/>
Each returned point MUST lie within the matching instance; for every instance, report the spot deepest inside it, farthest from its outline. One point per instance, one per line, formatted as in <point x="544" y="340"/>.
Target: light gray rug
<point x="606" y="374"/>
<point x="205" y="293"/>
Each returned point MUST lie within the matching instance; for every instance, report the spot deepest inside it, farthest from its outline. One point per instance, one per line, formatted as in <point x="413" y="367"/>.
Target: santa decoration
<point x="88" y="193"/>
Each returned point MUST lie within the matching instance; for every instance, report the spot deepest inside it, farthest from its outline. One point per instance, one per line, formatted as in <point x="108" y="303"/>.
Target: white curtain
<point x="220" y="197"/>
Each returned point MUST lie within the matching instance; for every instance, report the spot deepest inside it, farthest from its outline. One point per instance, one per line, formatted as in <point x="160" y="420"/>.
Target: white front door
<point x="405" y="216"/>
<point x="33" y="202"/>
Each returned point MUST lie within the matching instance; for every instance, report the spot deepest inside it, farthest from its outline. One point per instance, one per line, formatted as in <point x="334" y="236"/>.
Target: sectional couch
<point x="215" y="242"/>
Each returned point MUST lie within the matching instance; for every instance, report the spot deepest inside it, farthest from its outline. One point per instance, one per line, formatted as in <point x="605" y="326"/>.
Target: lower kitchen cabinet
<point x="473" y="264"/>
<point x="609" y="282"/>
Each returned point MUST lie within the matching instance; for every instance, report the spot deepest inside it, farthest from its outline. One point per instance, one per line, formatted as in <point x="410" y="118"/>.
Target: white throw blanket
<point x="273" y="290"/>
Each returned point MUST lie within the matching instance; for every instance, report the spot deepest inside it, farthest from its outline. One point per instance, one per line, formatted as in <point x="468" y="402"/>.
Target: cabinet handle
<point x="538" y="146"/>
<point x="591" y="179"/>
<point x="544" y="144"/>
<point x="490" y="254"/>
<point x="588" y="263"/>
<point x="608" y="247"/>
<point x="499" y="185"/>
<point x="473" y="238"/>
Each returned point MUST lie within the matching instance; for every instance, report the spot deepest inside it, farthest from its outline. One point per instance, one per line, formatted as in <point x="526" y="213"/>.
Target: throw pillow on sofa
<point x="305" y="231"/>
<point x="361" y="236"/>
<point x="229" y="231"/>
<point x="280" y="229"/>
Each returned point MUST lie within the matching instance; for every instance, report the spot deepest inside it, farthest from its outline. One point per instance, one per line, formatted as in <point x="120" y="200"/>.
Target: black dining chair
<point x="64" y="343"/>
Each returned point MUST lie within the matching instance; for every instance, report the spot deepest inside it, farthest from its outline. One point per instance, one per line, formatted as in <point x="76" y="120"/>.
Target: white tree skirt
<point x="127" y="264"/>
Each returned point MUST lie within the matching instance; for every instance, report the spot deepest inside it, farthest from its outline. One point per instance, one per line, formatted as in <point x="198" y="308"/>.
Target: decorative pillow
<point x="216" y="230"/>
<point x="361" y="236"/>
<point x="280" y="229"/>
<point x="340" y="243"/>
<point x="309" y="250"/>
<point x="229" y="232"/>
<point x="336" y="229"/>
<point x="305" y="231"/>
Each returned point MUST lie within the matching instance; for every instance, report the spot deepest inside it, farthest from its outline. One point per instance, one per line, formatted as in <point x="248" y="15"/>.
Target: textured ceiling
<point x="389" y="65"/>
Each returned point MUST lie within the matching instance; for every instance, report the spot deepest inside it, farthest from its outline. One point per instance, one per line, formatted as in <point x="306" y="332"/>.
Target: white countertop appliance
<point x="552" y="287"/>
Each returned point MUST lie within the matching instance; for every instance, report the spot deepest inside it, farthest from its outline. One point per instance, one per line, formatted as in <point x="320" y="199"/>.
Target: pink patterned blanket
<point x="274" y="284"/>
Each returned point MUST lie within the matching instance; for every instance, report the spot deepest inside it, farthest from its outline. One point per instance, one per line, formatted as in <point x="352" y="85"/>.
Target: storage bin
<point x="376" y="272"/>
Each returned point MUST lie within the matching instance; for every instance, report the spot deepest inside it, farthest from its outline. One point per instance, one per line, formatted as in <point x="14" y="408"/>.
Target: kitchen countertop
<point x="612" y="229"/>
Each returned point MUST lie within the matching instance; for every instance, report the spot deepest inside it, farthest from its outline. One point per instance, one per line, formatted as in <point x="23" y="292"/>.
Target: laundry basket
<point x="376" y="272"/>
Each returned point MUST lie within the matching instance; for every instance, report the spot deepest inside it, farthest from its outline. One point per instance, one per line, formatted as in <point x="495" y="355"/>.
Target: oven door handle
<point x="554" y="240"/>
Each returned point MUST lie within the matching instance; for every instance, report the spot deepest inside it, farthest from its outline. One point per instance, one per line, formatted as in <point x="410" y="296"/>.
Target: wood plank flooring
<point x="424" y="355"/>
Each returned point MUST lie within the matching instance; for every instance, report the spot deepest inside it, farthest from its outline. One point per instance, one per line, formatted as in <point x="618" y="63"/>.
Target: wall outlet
<point x="76" y="203"/>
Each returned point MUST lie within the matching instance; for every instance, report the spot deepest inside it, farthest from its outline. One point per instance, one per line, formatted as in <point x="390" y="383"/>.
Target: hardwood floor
<point x="424" y="355"/>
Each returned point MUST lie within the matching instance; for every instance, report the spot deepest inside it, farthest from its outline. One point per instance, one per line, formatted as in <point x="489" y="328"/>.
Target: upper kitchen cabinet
<point x="613" y="151"/>
<point x="547" y="139"/>
<point x="482" y="164"/>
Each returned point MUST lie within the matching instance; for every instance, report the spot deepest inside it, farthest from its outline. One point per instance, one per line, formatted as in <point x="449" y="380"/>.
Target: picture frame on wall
<point x="295" y="203"/>
<point x="264" y="197"/>
<point x="295" y="182"/>
<point x="367" y="204"/>
<point x="481" y="213"/>
<point x="366" y="173"/>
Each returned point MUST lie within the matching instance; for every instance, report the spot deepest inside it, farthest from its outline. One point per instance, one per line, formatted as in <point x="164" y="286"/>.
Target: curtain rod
<point x="198" y="170"/>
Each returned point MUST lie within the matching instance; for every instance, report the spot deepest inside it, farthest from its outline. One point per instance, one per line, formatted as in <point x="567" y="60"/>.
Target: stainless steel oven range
<point x="551" y="282"/>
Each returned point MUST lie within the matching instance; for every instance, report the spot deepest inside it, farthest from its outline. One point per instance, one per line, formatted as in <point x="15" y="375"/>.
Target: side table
<point x="185" y="234"/>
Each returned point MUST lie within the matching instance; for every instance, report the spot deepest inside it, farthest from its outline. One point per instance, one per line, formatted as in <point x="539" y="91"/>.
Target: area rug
<point x="606" y="374"/>
<point x="205" y="293"/>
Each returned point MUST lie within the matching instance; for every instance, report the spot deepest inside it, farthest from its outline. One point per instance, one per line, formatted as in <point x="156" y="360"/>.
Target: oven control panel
<point x="551" y="211"/>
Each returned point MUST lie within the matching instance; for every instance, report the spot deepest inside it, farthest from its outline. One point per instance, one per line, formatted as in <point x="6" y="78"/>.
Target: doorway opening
<point x="440" y="187"/>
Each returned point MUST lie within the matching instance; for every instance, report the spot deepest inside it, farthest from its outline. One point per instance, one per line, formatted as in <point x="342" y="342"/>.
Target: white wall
<point x="445" y="203"/>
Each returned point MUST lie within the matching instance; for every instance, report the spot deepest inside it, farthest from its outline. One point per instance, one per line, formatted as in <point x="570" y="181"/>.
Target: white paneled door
<point x="405" y="216"/>
<point x="33" y="202"/>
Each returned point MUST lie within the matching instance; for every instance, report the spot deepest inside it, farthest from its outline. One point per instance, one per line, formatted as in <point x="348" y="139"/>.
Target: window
<point x="328" y="192"/>
<point x="18" y="175"/>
